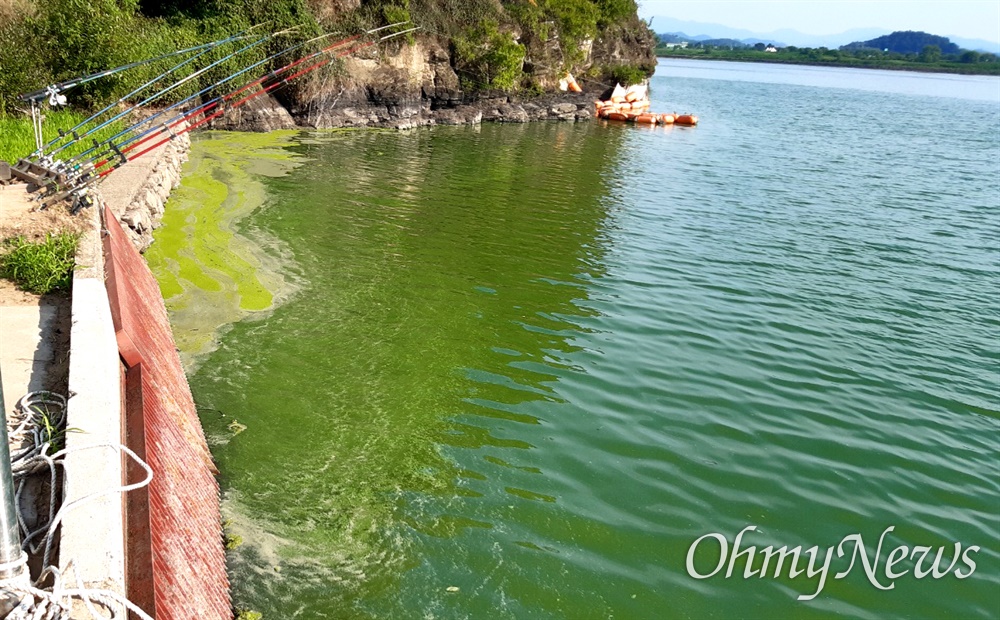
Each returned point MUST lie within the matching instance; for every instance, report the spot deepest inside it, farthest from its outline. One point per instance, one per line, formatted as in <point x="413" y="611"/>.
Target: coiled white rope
<point x="42" y="426"/>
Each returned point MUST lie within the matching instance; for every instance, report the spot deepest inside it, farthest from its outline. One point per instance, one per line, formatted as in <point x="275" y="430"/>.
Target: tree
<point x="760" y="47"/>
<point x="930" y="53"/>
<point x="969" y="57"/>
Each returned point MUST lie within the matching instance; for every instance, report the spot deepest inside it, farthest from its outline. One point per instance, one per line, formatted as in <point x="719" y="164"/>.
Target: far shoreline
<point x="835" y="65"/>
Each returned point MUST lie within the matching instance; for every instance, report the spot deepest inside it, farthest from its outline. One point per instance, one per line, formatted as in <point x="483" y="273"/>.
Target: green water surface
<point x="515" y="371"/>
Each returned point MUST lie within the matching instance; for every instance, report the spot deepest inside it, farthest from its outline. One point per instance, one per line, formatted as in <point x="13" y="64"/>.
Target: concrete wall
<point x="92" y="534"/>
<point x="161" y="546"/>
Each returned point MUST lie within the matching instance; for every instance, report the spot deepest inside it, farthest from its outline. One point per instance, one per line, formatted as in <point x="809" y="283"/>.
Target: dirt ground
<point x="17" y="218"/>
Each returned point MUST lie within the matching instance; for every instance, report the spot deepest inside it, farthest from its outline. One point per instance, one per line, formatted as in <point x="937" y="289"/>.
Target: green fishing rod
<point x="166" y="90"/>
<point x="60" y="87"/>
<point x="209" y="105"/>
<point x="116" y="149"/>
<point x="265" y="90"/>
<point x="206" y="48"/>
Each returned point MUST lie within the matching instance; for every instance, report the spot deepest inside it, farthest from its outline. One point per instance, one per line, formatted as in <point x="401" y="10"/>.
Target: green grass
<point x="39" y="267"/>
<point x="17" y="139"/>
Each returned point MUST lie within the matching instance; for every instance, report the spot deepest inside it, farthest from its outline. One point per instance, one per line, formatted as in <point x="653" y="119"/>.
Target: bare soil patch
<point x="18" y="217"/>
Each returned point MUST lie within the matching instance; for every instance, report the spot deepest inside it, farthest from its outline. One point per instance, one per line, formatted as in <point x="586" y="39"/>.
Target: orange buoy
<point x="649" y="119"/>
<point x="617" y="99"/>
<point x="686" y="119"/>
<point x="631" y="96"/>
<point x="665" y="119"/>
<point x="616" y="116"/>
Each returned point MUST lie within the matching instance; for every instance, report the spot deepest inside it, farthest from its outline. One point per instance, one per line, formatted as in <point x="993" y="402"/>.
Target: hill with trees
<point x="905" y="42"/>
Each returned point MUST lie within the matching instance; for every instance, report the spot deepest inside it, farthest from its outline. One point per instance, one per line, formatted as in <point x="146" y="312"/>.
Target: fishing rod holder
<point x="39" y="174"/>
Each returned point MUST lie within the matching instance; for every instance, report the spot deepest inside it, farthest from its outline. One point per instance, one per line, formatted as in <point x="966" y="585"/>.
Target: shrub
<point x="41" y="267"/>
<point x="577" y="20"/>
<point x="395" y="14"/>
<point x="486" y="58"/>
<point x="626" y="74"/>
<point x="614" y="11"/>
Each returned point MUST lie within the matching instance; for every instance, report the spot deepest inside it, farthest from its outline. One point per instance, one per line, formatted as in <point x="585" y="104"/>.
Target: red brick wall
<point x="183" y="551"/>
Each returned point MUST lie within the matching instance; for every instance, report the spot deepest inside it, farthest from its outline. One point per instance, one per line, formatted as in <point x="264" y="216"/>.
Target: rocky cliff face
<point x="408" y="84"/>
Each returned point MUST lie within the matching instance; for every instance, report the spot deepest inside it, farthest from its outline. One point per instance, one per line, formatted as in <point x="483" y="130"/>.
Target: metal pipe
<point x="11" y="564"/>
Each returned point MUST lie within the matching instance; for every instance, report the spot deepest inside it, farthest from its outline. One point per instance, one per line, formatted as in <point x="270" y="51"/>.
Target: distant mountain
<point x="781" y="37"/>
<point x="906" y="42"/>
<point x="979" y="45"/>
<point x="675" y="37"/>
<point x="680" y="37"/>
<point x="724" y="43"/>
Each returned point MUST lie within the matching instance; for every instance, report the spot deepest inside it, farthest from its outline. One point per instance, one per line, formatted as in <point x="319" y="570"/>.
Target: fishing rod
<point x="167" y="126"/>
<point x="55" y="89"/>
<point x="72" y="131"/>
<point x="166" y="90"/>
<point x="267" y="89"/>
<point x="77" y="182"/>
<point x="73" y="162"/>
<point x="204" y="107"/>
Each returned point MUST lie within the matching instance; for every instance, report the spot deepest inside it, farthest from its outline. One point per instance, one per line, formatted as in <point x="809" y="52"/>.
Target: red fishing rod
<point x="220" y="102"/>
<point x="168" y="126"/>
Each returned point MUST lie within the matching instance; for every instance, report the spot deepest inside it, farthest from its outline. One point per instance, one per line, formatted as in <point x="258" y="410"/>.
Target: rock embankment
<point x="268" y="114"/>
<point x="409" y="86"/>
<point x="138" y="191"/>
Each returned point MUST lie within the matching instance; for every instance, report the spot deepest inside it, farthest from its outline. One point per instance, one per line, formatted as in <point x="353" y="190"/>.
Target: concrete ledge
<point x="92" y="535"/>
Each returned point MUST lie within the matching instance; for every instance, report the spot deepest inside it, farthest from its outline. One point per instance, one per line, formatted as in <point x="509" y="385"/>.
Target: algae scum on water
<point x="212" y="270"/>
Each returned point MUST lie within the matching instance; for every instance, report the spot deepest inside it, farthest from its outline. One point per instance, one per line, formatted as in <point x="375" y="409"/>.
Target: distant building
<point x="682" y="44"/>
<point x="770" y="48"/>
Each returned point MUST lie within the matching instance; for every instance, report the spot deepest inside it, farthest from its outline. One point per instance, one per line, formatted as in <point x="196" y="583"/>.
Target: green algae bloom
<point x="211" y="272"/>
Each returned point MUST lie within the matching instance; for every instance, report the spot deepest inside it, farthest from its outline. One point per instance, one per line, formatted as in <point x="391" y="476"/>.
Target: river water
<point x="517" y="371"/>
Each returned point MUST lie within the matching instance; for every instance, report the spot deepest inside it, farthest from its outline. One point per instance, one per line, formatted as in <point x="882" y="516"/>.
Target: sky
<point x="976" y="19"/>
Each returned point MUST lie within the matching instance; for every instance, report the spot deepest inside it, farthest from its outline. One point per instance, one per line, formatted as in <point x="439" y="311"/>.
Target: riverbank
<point x="402" y="111"/>
<point x="990" y="69"/>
